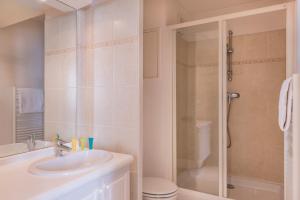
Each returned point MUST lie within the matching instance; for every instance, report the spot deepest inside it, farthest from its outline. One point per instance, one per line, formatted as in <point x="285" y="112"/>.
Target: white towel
<point x="285" y="105"/>
<point x="30" y="100"/>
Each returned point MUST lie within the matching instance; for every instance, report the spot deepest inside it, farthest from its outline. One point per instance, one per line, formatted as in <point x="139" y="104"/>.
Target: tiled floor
<point x="243" y="193"/>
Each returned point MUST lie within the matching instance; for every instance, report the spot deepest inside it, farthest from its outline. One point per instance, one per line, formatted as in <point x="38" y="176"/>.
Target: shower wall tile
<point x="254" y="47"/>
<point x="257" y="139"/>
<point x="206" y="53"/>
<point x="275" y="44"/>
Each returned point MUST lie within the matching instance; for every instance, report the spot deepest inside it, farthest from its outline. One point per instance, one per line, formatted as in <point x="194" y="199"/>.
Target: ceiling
<point x="14" y="11"/>
<point x="206" y="8"/>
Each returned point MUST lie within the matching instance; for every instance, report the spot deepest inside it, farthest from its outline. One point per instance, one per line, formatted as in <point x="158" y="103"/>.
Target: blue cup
<point x="91" y="143"/>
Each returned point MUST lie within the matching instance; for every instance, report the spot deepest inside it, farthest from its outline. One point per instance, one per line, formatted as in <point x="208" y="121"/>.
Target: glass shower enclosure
<point x="202" y="162"/>
<point x="197" y="105"/>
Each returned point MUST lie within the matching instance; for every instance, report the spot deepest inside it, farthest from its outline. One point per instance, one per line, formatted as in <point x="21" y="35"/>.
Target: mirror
<point x="37" y="74"/>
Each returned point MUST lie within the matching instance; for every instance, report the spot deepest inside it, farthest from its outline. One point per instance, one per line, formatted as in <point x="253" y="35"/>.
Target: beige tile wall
<point x="259" y="69"/>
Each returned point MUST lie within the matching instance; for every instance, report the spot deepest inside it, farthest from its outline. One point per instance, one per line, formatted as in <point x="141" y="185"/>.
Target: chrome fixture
<point x="31" y="142"/>
<point x="229" y="56"/>
<point x="230" y="97"/>
<point x="60" y="147"/>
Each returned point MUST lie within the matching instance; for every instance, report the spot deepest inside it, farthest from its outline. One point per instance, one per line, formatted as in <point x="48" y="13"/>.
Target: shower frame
<point x="170" y="50"/>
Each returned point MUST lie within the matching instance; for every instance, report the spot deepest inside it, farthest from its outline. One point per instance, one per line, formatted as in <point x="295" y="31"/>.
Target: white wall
<point x="159" y="13"/>
<point x="6" y="115"/>
<point x="157" y="107"/>
<point x="22" y="54"/>
<point x="27" y="52"/>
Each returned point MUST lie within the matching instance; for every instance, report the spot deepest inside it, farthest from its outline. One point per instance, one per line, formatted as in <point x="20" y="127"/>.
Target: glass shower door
<point x="197" y="108"/>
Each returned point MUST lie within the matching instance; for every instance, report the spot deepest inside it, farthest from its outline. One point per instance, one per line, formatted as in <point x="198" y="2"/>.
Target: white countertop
<point x="16" y="183"/>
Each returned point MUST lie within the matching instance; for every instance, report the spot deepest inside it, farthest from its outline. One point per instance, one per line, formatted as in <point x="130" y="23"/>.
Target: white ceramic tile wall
<point x="109" y="79"/>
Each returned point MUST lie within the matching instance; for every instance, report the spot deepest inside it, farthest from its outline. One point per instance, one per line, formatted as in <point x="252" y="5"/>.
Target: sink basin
<point x="71" y="163"/>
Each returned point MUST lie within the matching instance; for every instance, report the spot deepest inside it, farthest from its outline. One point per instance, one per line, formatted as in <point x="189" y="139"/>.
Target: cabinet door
<point x="98" y="194"/>
<point x="119" y="189"/>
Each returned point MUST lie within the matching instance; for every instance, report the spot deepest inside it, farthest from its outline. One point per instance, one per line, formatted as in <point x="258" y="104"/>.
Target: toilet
<point x="203" y="178"/>
<point x="202" y="138"/>
<point x="158" y="188"/>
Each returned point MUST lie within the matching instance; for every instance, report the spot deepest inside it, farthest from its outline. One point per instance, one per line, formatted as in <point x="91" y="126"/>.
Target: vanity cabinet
<point x="117" y="190"/>
<point x="109" y="180"/>
<point x="109" y="189"/>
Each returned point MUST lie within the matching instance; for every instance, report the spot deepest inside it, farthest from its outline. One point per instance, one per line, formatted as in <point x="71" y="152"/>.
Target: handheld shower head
<point x="230" y="97"/>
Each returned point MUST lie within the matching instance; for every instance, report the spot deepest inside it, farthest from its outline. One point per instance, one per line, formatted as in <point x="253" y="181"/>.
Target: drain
<point x="230" y="186"/>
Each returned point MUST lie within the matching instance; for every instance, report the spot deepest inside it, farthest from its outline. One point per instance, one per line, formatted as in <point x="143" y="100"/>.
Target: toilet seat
<point x="158" y="188"/>
<point x="160" y="196"/>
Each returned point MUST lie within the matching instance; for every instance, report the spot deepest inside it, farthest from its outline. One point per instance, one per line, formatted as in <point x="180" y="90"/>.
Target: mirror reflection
<point x="37" y="74"/>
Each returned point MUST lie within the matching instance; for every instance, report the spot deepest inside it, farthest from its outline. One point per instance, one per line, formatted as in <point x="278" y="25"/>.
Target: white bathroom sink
<point x="71" y="163"/>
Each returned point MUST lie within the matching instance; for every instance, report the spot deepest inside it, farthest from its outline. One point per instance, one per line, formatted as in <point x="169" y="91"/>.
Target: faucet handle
<point x="58" y="140"/>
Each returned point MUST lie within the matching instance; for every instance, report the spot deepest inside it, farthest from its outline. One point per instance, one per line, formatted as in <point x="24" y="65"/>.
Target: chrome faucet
<point x="60" y="147"/>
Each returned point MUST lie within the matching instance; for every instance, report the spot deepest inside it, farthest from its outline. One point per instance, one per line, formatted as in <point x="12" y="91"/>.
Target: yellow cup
<point x="74" y="144"/>
<point x="82" y="143"/>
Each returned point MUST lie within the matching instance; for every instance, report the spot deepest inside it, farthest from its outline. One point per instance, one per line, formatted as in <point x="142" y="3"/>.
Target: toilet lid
<point x="158" y="186"/>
